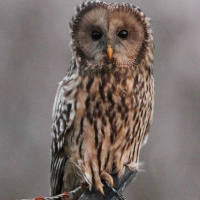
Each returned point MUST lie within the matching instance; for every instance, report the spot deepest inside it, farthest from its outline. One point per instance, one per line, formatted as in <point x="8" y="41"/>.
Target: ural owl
<point x="103" y="107"/>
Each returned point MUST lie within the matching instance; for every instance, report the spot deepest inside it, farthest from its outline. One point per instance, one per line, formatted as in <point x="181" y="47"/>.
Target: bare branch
<point x="119" y="186"/>
<point x="110" y="193"/>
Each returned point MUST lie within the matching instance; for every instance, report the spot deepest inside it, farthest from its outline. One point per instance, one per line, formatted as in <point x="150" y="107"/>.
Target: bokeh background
<point x="34" y="57"/>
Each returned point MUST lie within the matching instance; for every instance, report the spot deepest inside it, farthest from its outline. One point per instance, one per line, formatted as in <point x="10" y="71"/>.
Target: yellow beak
<point x="110" y="52"/>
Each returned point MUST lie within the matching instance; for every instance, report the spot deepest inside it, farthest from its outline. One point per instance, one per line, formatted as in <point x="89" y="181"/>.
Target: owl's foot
<point x="107" y="177"/>
<point x="104" y="176"/>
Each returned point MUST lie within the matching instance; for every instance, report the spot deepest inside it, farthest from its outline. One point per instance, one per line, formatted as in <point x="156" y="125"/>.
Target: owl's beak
<point x="109" y="51"/>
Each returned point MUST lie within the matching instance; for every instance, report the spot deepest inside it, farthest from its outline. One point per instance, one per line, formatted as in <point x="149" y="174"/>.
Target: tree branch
<point x="110" y="193"/>
<point x="119" y="186"/>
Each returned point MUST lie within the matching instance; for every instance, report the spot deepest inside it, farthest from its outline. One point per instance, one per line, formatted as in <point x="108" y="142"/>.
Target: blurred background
<point x="34" y="57"/>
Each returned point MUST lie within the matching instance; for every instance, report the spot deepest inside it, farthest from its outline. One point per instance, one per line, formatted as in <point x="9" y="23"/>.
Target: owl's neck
<point x="89" y="68"/>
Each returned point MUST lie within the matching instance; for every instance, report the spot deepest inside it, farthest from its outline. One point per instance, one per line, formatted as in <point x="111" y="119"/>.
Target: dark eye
<point x="123" y="34"/>
<point x="96" y="35"/>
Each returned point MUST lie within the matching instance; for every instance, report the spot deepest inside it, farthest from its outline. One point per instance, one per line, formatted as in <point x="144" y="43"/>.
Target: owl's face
<point x="109" y="33"/>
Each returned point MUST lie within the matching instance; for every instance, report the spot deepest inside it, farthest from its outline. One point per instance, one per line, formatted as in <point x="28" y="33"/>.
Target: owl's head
<point x="111" y="33"/>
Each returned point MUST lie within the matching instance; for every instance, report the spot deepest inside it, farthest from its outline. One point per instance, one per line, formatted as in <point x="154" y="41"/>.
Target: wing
<point x="63" y="117"/>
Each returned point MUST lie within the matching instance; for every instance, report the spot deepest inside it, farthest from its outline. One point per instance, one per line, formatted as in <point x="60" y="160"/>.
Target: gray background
<point x="34" y="56"/>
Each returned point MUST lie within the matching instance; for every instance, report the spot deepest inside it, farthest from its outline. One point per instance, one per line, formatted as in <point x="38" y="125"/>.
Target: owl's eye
<point x="96" y="35"/>
<point x="123" y="34"/>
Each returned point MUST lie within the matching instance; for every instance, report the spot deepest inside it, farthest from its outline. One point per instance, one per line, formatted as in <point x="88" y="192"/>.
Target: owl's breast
<point x="113" y="113"/>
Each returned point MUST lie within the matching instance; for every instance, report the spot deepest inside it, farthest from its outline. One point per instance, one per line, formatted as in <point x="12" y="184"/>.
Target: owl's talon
<point x="107" y="177"/>
<point x="100" y="189"/>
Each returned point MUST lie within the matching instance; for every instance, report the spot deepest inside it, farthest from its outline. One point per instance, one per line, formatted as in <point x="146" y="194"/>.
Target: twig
<point x="110" y="193"/>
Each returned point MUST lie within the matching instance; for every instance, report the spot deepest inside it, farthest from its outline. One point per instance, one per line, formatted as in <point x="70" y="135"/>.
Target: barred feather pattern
<point x="101" y="115"/>
<point x="100" y="120"/>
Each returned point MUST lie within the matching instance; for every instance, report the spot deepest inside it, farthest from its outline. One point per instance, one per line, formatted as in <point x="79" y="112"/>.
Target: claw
<point x="100" y="189"/>
<point x="107" y="177"/>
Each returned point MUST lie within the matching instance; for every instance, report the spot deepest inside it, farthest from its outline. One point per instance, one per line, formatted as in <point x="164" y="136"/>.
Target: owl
<point x="103" y="107"/>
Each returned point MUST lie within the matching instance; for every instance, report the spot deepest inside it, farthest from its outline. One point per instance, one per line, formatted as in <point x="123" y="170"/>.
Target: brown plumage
<point x="103" y="107"/>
